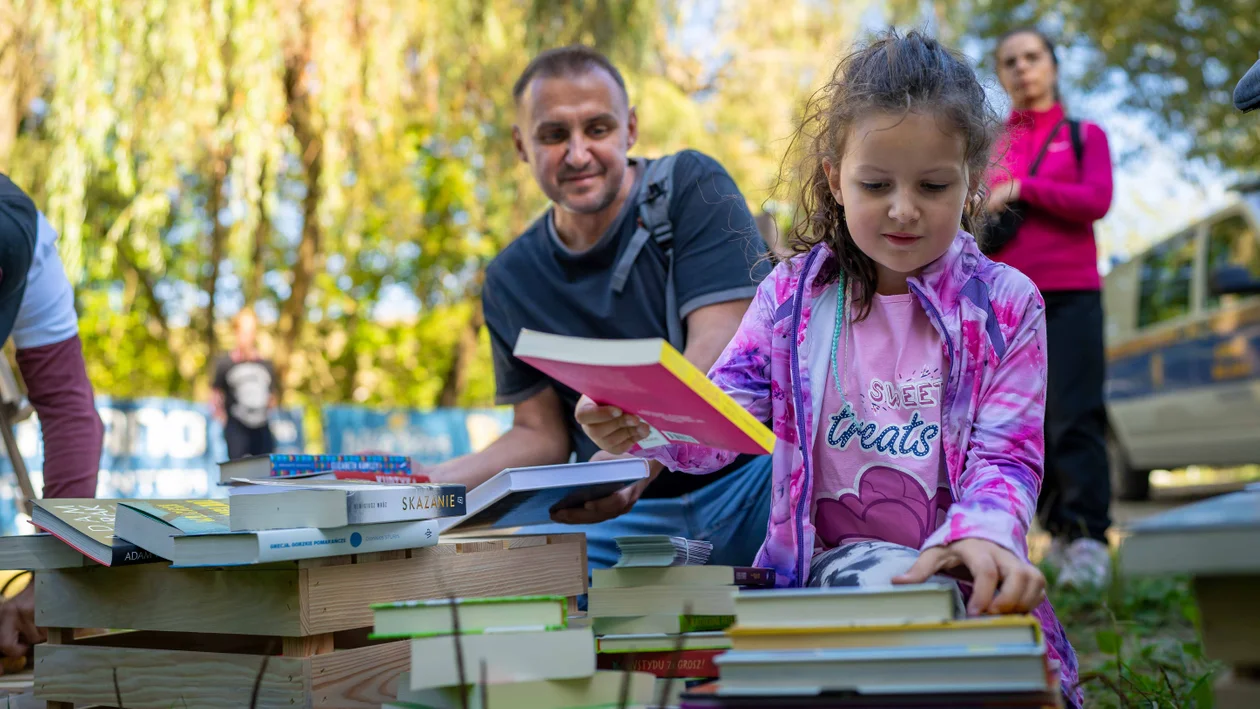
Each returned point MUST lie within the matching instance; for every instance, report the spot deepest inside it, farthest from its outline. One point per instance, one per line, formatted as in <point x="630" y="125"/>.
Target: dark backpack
<point x="653" y="196"/>
<point x="1001" y="229"/>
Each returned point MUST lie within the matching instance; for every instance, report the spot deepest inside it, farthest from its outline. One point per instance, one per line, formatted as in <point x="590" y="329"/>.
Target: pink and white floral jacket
<point x="991" y="321"/>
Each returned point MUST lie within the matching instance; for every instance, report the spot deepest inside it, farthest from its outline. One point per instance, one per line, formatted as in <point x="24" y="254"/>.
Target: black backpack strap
<point x="653" y="196"/>
<point x="1078" y="140"/>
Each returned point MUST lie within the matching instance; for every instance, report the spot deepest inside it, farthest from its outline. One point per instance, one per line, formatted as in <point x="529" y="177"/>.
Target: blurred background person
<point x="1053" y="182"/>
<point x="244" y="392"/>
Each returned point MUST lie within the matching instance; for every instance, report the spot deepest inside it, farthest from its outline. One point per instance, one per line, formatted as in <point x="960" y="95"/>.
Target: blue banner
<point x="427" y="436"/>
<point x="153" y="448"/>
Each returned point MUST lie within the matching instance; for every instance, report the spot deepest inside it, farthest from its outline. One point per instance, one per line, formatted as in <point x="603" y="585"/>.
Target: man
<point x="37" y="309"/>
<point x="574" y="128"/>
<point x="244" y="392"/>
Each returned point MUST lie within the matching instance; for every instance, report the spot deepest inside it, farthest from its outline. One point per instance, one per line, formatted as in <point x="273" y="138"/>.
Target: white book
<point x="196" y="533"/>
<point x="508" y="657"/>
<point x="283" y="504"/>
<point x="602" y="689"/>
<point x="522" y="497"/>
<point x="879" y="605"/>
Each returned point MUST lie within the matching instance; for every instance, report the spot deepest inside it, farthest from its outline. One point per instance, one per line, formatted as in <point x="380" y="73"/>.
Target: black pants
<point x="1076" y="492"/>
<point x="243" y="440"/>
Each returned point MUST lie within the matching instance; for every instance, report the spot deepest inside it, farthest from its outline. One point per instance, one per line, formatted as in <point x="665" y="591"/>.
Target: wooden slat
<point x="339" y="596"/>
<point x="237" y="600"/>
<point x="363" y="678"/>
<point x="308" y="645"/>
<point x="163" y="679"/>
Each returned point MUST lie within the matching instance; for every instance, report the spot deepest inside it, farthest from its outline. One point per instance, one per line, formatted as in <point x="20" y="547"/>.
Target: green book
<point x="411" y="619"/>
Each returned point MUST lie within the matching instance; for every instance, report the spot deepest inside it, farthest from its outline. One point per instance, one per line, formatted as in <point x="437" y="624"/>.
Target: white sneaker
<point x="1087" y="564"/>
<point x="1056" y="555"/>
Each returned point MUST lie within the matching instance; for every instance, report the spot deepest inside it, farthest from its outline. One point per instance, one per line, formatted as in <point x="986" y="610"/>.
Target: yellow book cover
<point x="1007" y="629"/>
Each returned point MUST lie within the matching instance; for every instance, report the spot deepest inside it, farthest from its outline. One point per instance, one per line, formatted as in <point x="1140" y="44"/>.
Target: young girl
<point x="902" y="372"/>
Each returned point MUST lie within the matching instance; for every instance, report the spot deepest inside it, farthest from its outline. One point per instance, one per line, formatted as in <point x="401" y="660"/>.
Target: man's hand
<point x="612" y="506"/>
<point x="1023" y="587"/>
<point x="18" y="631"/>
<point x="1003" y="194"/>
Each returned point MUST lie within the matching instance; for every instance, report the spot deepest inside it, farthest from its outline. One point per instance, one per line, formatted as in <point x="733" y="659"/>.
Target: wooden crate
<point x="199" y="637"/>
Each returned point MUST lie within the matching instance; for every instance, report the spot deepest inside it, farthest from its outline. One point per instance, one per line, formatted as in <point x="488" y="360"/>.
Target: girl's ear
<point x="833" y="180"/>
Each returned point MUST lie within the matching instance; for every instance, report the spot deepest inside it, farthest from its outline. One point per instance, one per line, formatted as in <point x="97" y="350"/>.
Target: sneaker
<point x="1056" y="555"/>
<point x="1087" y="564"/>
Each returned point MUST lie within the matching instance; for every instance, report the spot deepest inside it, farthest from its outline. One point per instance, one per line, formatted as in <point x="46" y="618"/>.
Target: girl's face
<point x="902" y="181"/>
<point x="1026" y="70"/>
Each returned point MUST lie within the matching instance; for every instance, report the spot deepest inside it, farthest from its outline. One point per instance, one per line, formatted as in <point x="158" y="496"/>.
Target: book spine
<point x="400" y="478"/>
<point x="126" y="554"/>
<point x="688" y="663"/>
<point x="282" y="465"/>
<point x="699" y="383"/>
<point x="751" y="576"/>
<point x="308" y="543"/>
<point x="405" y="503"/>
<point x="704" y="623"/>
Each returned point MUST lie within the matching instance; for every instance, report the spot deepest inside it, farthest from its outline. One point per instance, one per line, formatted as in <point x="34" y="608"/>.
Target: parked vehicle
<point x="1183" y="350"/>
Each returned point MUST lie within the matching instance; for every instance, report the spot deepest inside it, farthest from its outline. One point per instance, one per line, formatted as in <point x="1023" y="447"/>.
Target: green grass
<point x="1137" y="643"/>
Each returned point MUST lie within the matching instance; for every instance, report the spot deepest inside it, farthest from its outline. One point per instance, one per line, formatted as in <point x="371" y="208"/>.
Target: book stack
<point x="374" y="468"/>
<point x="658" y="610"/>
<point x="1214" y="542"/>
<point x="899" y="646"/>
<point x="496" y="653"/>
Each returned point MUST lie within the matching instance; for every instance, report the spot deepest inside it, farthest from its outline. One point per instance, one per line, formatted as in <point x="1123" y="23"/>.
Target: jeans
<point x="1076" y="491"/>
<point x="731" y="513"/>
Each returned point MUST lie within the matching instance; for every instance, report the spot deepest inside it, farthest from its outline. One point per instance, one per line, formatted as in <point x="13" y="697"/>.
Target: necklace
<point x="835" y="340"/>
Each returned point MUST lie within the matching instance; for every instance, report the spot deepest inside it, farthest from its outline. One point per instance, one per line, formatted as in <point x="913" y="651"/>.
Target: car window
<point x="1231" y="242"/>
<point x="1165" y="278"/>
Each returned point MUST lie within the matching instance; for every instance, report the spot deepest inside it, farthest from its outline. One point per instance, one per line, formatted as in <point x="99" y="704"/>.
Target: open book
<point x="651" y="379"/>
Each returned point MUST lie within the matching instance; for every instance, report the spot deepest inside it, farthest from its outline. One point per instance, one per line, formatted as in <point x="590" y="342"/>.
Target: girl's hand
<point x="1023" y="587"/>
<point x="608" y="427"/>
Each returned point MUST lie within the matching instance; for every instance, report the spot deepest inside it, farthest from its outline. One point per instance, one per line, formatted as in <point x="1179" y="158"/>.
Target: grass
<point x="1137" y="643"/>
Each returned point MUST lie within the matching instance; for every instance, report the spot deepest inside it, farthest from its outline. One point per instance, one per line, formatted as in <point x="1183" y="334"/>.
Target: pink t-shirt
<point x="878" y="470"/>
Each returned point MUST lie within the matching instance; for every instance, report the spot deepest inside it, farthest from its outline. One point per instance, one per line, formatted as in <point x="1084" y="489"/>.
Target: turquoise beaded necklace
<point x="835" y="340"/>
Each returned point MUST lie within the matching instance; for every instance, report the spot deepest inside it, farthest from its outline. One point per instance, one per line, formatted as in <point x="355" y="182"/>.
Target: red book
<point x="687" y="663"/>
<point x="380" y="477"/>
<point x="653" y="381"/>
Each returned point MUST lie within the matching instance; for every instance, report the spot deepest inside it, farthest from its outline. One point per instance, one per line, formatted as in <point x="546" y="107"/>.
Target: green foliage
<point x="1178" y="60"/>
<point x="1136" y="642"/>
<point x="316" y="158"/>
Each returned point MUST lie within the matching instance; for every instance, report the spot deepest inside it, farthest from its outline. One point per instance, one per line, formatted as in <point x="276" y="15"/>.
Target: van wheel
<point x="1126" y="483"/>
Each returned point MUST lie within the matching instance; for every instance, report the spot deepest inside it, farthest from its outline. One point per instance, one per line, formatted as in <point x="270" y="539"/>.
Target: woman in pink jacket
<point x="902" y="372"/>
<point x="1056" y="174"/>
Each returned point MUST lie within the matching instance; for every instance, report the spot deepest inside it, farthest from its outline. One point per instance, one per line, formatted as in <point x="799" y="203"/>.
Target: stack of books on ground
<point x="667" y="619"/>
<point x="897" y="646"/>
<point x="502" y="653"/>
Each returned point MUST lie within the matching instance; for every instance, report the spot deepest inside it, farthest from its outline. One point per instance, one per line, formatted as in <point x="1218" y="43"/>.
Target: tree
<point x="1177" y="60"/>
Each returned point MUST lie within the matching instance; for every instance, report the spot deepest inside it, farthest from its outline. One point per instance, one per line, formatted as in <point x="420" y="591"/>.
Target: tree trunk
<point x="218" y="235"/>
<point x="261" y="232"/>
<point x="456" y="378"/>
<point x="310" y="141"/>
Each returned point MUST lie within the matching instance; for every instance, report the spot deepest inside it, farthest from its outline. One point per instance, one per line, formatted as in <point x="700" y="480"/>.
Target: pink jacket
<point x="1055" y="246"/>
<point x="992" y="325"/>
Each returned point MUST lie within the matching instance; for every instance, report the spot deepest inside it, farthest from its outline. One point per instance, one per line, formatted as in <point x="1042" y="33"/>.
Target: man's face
<point x="575" y="131"/>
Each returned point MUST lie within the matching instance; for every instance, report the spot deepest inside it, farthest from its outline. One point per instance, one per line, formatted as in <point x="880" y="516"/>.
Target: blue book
<point x="887" y="670"/>
<point x="285" y="465"/>
<point x="522" y="497"/>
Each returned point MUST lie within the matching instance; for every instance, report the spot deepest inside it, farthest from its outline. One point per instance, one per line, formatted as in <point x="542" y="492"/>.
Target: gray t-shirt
<point x="540" y="284"/>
